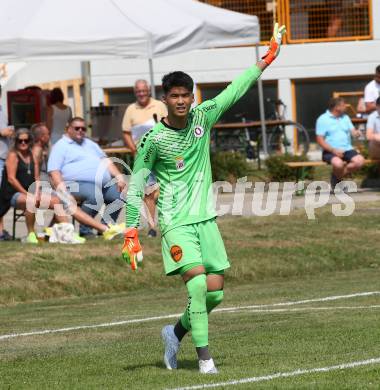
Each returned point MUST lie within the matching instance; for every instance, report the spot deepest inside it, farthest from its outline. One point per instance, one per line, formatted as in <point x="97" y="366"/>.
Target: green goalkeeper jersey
<point x="180" y="160"/>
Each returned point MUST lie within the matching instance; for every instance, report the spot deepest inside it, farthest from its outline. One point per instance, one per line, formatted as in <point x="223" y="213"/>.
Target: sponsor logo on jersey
<point x="179" y="163"/>
<point x="198" y="131"/>
<point x="176" y="253"/>
<point x="148" y="154"/>
<point x="208" y="108"/>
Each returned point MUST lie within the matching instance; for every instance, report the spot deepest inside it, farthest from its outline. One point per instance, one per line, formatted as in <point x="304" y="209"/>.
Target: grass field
<point x="294" y="301"/>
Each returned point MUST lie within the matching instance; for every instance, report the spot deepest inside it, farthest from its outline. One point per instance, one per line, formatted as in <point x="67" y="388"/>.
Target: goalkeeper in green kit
<point x="177" y="151"/>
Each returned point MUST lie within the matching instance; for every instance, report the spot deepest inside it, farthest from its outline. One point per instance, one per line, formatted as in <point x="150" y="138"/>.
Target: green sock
<point x="213" y="299"/>
<point x="195" y="316"/>
<point x="185" y="321"/>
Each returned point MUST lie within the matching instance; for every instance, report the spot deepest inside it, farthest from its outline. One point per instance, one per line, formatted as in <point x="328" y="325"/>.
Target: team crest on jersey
<point x="180" y="163"/>
<point x="176" y="253"/>
<point x="198" y="131"/>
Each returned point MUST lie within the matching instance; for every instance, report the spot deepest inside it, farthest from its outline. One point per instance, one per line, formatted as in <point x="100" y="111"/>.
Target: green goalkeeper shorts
<point x="198" y="244"/>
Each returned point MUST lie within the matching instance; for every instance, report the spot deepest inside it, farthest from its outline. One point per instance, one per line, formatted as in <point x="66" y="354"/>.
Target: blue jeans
<point x="93" y="197"/>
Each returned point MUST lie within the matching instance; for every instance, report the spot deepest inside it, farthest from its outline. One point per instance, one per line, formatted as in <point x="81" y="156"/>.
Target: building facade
<point x="331" y="47"/>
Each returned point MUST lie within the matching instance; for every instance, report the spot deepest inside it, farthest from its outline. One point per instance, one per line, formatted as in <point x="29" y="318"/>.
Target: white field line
<point x="297" y="372"/>
<point x="292" y="303"/>
<point x="157" y="318"/>
<point x="73" y="328"/>
<point x="308" y="308"/>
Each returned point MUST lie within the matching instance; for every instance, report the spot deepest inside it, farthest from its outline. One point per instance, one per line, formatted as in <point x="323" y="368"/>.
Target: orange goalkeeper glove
<point x="274" y="44"/>
<point x="132" y="251"/>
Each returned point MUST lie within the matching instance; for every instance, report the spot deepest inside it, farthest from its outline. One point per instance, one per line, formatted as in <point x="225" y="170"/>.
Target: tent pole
<point x="86" y="74"/>
<point x="261" y="107"/>
<point x="151" y="78"/>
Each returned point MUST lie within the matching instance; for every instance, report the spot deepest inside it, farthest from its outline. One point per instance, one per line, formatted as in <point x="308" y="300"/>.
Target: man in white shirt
<point x="372" y="92"/>
<point x="373" y="132"/>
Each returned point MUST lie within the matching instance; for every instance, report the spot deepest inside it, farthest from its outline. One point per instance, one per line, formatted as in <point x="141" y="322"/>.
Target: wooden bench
<point x="117" y="150"/>
<point x="301" y="165"/>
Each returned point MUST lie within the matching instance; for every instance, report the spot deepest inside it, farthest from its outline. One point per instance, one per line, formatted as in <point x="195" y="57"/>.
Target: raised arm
<point x="215" y="108"/>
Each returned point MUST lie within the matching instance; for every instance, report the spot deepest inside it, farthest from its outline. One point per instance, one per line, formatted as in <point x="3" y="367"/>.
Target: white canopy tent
<point x="100" y="29"/>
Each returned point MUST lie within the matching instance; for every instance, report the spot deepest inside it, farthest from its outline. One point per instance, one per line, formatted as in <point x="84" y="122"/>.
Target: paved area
<point x="250" y="204"/>
<point x="281" y="202"/>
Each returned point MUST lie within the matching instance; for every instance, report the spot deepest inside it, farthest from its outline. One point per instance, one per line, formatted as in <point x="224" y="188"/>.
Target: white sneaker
<point x="171" y="345"/>
<point x="207" y="367"/>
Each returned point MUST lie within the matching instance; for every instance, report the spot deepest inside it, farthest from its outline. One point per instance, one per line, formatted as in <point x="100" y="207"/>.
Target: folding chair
<point x="17" y="214"/>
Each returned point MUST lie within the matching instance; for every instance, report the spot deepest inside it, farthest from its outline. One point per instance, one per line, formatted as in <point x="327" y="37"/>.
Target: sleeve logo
<point x="198" y="131"/>
<point x="176" y="253"/>
<point x="180" y="163"/>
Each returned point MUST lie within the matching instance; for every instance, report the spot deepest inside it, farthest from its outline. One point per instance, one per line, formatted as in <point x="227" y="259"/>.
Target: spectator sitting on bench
<point x="77" y="164"/>
<point x="21" y="171"/>
<point x="373" y="132"/>
<point x="40" y="151"/>
<point x="334" y="131"/>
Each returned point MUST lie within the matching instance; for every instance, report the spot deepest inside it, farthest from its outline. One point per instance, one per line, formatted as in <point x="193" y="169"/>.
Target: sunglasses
<point x="23" y="141"/>
<point x="78" y="128"/>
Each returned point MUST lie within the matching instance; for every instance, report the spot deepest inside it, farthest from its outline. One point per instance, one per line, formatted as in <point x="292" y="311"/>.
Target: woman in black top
<point x="20" y="173"/>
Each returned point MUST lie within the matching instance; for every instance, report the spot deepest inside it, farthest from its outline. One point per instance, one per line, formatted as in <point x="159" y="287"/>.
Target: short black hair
<point x="378" y="69"/>
<point x="56" y="95"/>
<point x="378" y="101"/>
<point x="177" y="79"/>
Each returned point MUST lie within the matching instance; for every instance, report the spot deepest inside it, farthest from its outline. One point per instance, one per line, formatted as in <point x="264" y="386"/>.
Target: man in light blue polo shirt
<point x="373" y="132"/>
<point x="334" y="131"/>
<point x="79" y="165"/>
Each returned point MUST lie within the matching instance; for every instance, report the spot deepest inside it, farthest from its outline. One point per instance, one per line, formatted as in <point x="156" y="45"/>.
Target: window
<point x="327" y="20"/>
<point x="308" y="20"/>
<point x="310" y="105"/>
